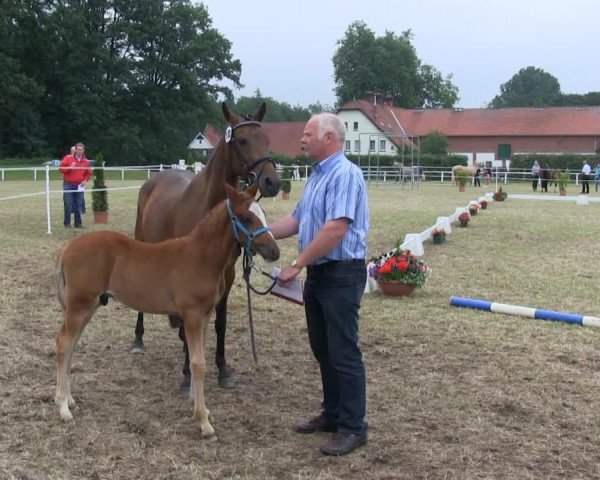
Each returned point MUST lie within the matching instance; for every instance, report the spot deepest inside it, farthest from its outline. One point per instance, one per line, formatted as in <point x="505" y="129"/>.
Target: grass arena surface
<point x="452" y="393"/>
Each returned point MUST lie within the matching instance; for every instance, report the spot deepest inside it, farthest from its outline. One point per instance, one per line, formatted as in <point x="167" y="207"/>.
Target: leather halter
<point x="251" y="176"/>
<point x="238" y="227"/>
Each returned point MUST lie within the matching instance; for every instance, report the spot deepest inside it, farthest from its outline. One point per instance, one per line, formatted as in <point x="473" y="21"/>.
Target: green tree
<point x="530" y="87"/>
<point x="276" y="111"/>
<point x="387" y="65"/>
<point x="436" y="91"/>
<point x="133" y="78"/>
<point x="435" y="143"/>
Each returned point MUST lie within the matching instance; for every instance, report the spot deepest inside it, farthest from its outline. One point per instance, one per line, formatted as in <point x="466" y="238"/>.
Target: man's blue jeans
<point x="332" y="296"/>
<point x="73" y="201"/>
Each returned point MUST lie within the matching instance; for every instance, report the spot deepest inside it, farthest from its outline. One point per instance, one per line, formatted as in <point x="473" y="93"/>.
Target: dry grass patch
<point x="452" y="393"/>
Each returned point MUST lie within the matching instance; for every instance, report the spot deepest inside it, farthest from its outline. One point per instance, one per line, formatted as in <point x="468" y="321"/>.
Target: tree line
<point x="137" y="79"/>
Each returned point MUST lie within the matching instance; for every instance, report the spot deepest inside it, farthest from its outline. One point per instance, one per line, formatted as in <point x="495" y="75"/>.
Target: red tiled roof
<point x="284" y="137"/>
<point x="555" y="121"/>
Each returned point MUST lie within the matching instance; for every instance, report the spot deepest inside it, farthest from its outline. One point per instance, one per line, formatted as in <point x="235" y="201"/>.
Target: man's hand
<point x="288" y="273"/>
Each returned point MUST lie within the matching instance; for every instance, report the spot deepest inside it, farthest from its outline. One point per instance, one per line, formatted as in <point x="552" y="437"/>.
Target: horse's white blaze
<point x="256" y="210"/>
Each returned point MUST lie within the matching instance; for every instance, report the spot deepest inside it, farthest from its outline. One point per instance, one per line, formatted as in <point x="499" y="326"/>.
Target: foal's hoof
<point x="226" y="381"/>
<point x="138" y="347"/>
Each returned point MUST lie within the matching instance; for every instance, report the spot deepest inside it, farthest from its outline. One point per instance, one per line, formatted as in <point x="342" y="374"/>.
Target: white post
<point x="35" y="174"/>
<point x="123" y="175"/>
<point x="2" y="174"/>
<point x="49" y="231"/>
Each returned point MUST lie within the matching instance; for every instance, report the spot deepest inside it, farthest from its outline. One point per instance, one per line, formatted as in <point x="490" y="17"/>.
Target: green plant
<point x="286" y="186"/>
<point x="399" y="266"/>
<point x="462" y="177"/>
<point x="99" y="197"/>
<point x="563" y="179"/>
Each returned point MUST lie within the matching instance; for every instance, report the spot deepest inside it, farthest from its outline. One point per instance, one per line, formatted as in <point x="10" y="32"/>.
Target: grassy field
<point x="452" y="393"/>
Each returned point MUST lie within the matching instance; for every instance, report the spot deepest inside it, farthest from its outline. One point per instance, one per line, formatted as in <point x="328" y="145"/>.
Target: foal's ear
<point x="230" y="192"/>
<point x="229" y="115"/>
<point x="252" y="189"/>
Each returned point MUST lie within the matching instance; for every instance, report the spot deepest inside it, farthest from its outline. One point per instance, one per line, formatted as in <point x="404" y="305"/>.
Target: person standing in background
<point x="585" y="177"/>
<point x="76" y="171"/>
<point x="535" y="175"/>
<point x="597" y="176"/>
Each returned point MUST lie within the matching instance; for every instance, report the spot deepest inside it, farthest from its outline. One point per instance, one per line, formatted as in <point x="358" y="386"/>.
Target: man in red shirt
<point x="76" y="171"/>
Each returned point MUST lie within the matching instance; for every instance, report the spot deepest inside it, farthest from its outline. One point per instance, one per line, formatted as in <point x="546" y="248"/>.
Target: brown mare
<point x="171" y="203"/>
<point x="185" y="276"/>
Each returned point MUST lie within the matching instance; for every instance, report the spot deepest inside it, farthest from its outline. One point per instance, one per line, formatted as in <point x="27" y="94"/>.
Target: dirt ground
<point x="452" y="393"/>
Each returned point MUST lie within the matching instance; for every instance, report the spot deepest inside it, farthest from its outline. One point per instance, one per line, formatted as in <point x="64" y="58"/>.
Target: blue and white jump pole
<point x="536" y="313"/>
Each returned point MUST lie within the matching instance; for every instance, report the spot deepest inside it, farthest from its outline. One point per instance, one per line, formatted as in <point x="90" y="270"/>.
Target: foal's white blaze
<point x="256" y="210"/>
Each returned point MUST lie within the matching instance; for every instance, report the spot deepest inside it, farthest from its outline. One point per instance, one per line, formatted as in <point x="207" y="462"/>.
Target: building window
<point x="346" y="125"/>
<point x="504" y="151"/>
<point x="357" y="145"/>
<point x="382" y="145"/>
<point x="371" y="145"/>
<point x="347" y="147"/>
<point x="355" y="126"/>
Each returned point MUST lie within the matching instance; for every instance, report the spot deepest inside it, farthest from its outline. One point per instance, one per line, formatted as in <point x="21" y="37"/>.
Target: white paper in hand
<point x="293" y="290"/>
<point x="81" y="187"/>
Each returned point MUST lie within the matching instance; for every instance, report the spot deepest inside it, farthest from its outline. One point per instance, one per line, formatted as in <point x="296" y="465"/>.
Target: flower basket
<point x="398" y="272"/>
<point x="464" y="218"/>
<point x="395" y="289"/>
<point x="483" y="204"/>
<point x="439" y="236"/>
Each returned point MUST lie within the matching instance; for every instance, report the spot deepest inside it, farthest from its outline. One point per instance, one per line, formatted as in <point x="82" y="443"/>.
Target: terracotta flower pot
<point x="461" y="188"/>
<point x="100" y="217"/>
<point x="483" y="206"/>
<point x="285" y="195"/>
<point x="395" y="289"/>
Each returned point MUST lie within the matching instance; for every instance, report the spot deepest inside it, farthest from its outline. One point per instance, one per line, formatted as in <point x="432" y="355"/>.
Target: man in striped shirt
<point x="332" y="222"/>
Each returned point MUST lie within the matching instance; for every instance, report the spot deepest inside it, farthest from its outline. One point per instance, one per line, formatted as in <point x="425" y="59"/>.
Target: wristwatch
<point x="295" y="265"/>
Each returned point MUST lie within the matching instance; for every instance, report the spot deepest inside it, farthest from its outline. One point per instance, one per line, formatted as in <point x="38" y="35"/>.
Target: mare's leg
<point x="184" y="388"/>
<point x="75" y="320"/>
<point x="195" y="331"/>
<point x="138" y="341"/>
<point x="225" y="378"/>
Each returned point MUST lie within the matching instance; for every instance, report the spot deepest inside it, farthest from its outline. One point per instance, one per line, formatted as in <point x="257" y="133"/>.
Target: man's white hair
<point x="330" y="122"/>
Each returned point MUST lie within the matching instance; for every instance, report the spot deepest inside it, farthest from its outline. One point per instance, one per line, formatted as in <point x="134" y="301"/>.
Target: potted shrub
<point x="99" y="193"/>
<point x="398" y="272"/>
<point x="462" y="177"/>
<point x="439" y="236"/>
<point x="562" y="181"/>
<point x="286" y="184"/>
<point x="464" y="218"/>
<point x="483" y="204"/>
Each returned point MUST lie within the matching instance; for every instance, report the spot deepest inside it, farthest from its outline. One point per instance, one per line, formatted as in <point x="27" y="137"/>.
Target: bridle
<point x="248" y="264"/>
<point x="251" y="175"/>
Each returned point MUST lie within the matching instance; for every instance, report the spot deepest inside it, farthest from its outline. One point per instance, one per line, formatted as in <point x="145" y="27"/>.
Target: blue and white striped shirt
<point x="335" y="189"/>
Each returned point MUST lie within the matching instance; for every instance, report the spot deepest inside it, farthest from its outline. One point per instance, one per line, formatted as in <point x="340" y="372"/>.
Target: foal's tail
<point x="60" y="281"/>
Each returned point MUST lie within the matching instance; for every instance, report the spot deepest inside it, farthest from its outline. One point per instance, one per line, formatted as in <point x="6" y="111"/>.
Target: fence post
<point x="49" y="231"/>
<point x="35" y="174"/>
<point x="123" y="175"/>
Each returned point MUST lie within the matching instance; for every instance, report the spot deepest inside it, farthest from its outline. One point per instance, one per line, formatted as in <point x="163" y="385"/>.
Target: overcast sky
<point x="286" y="47"/>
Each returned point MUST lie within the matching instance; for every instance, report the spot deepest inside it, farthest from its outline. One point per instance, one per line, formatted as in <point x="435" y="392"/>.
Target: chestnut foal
<point x="183" y="276"/>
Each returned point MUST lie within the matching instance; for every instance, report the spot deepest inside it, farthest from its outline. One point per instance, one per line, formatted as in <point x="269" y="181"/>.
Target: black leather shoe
<point x="315" y="424"/>
<point x="343" y="443"/>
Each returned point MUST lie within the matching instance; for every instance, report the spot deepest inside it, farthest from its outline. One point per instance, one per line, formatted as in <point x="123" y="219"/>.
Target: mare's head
<point x="249" y="146"/>
<point x="250" y="223"/>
